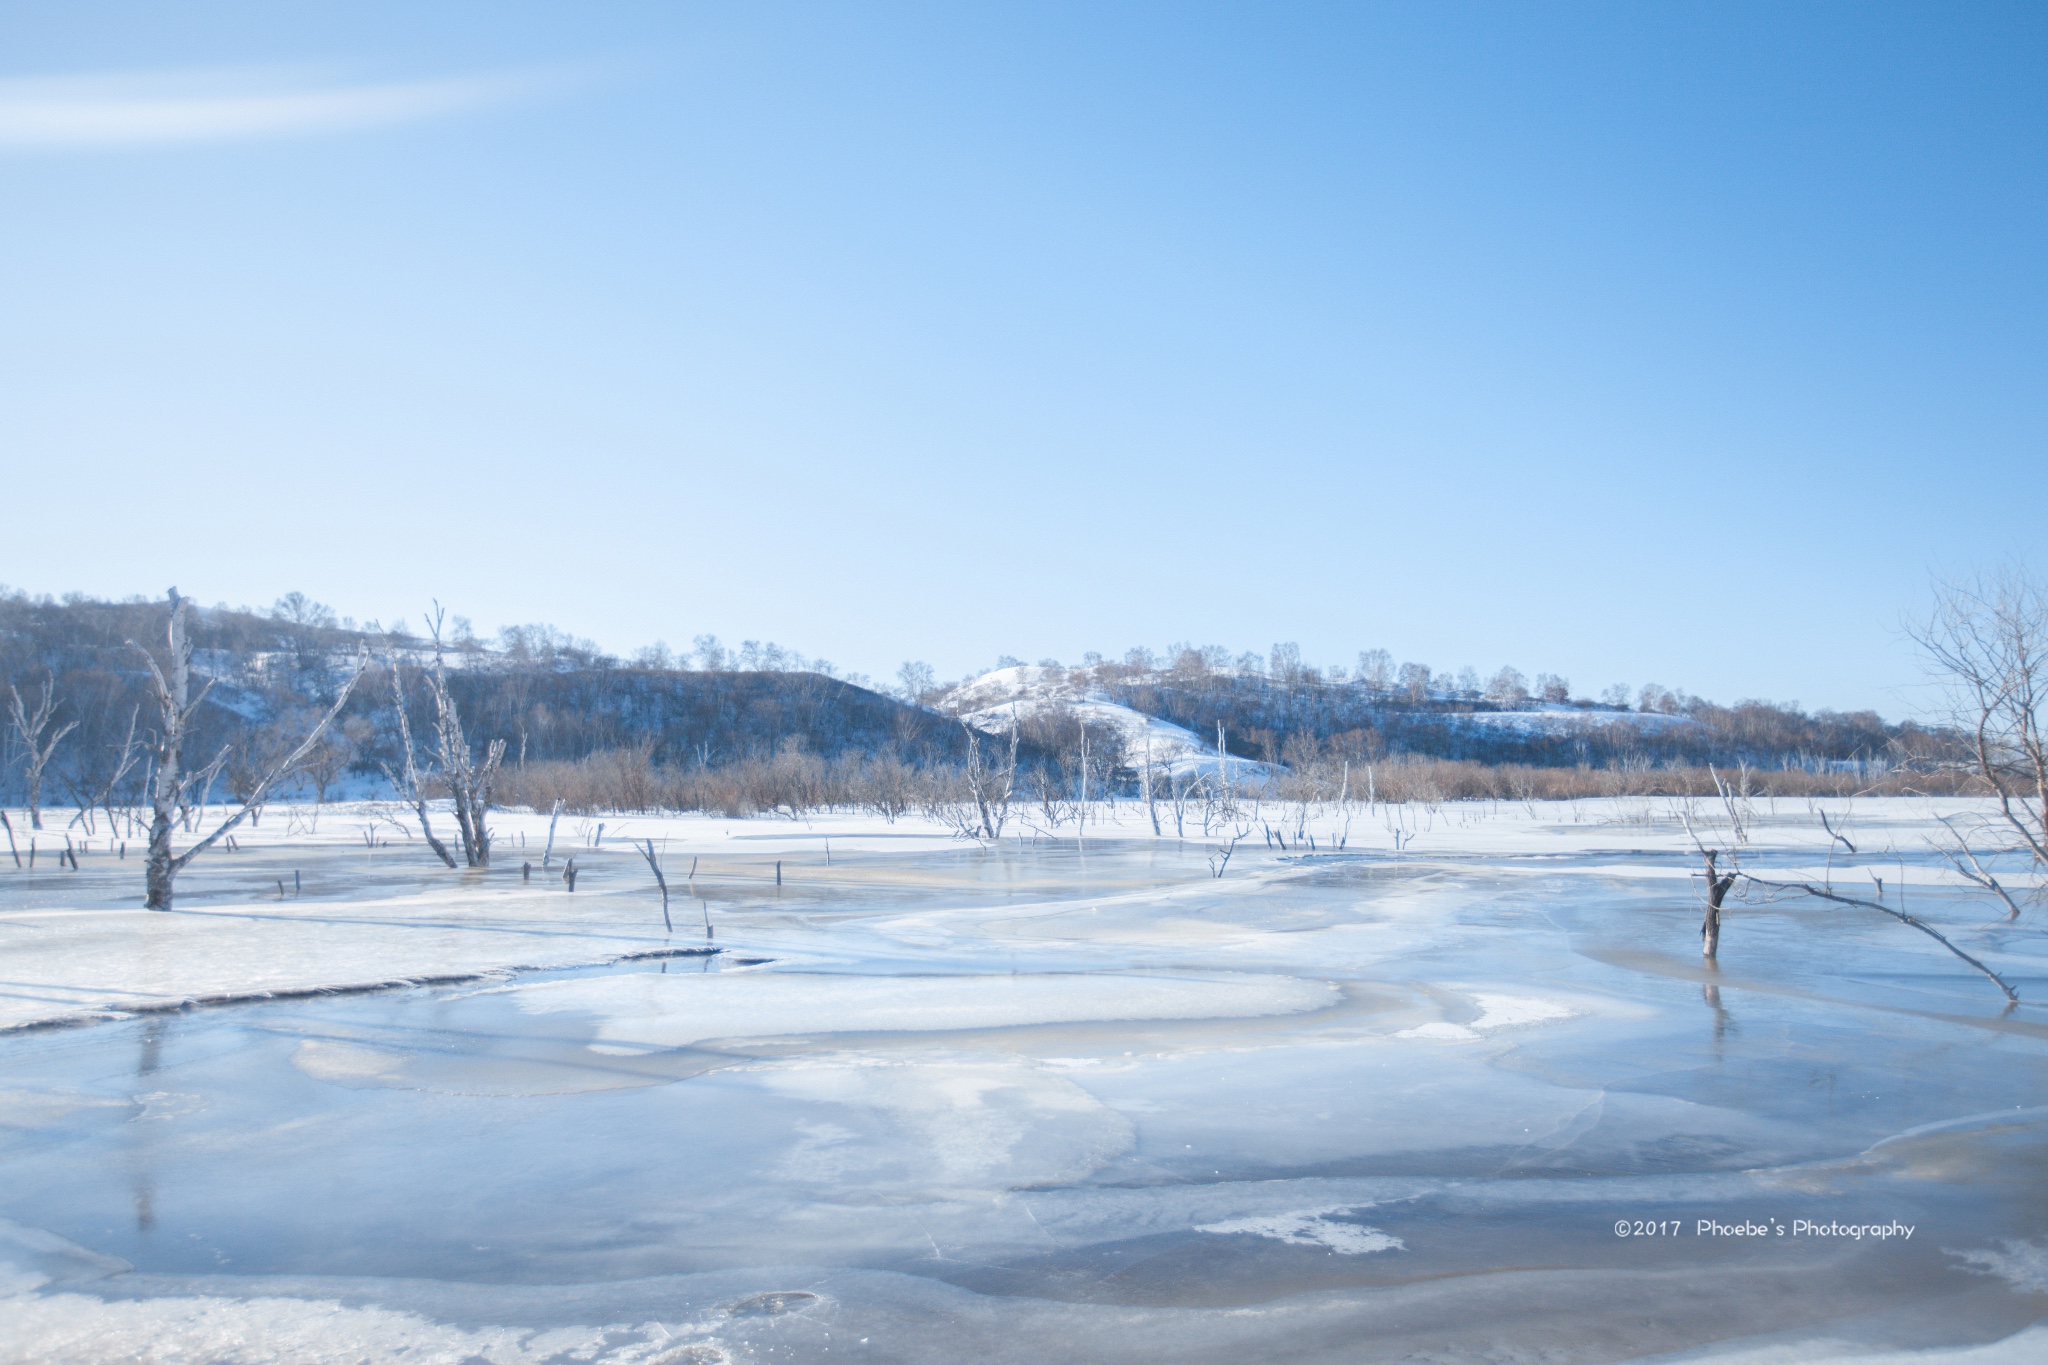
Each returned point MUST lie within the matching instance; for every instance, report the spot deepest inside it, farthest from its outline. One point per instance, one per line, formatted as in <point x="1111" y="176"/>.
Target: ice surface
<point x="1042" y="1099"/>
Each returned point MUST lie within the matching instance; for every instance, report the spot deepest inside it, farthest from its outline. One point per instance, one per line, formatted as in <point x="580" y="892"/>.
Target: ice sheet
<point x="1010" y="1101"/>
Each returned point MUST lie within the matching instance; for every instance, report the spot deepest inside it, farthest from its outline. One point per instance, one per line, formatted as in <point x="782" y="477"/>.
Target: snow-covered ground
<point x="1042" y="1098"/>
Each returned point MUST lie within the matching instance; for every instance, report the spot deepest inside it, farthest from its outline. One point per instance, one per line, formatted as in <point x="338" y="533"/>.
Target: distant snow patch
<point x="1310" y="1228"/>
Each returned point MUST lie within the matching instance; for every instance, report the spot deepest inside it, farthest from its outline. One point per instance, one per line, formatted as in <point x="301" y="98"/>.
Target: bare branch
<point x="1900" y="915"/>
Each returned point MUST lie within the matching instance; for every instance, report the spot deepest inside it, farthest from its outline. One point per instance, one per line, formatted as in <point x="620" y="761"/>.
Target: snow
<point x="997" y="700"/>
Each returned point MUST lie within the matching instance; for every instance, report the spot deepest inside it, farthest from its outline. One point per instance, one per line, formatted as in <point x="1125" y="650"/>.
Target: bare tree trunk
<point x="553" y="816"/>
<point x="654" y="864"/>
<point x="411" y="783"/>
<point x="1710" y="924"/>
<point x="469" y="782"/>
<point x="1151" y="803"/>
<point x="171" y="786"/>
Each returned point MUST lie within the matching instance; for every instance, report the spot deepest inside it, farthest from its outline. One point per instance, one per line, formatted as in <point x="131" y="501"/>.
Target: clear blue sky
<point x="1664" y="343"/>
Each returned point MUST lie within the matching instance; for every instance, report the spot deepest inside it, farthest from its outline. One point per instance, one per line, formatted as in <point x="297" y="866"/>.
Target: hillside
<point x="794" y="736"/>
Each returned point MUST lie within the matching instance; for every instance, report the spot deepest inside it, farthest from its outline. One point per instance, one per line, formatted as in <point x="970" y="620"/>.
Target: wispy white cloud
<point x="159" y="109"/>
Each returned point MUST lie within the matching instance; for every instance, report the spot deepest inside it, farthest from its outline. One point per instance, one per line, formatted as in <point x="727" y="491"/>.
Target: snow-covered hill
<point x="997" y="701"/>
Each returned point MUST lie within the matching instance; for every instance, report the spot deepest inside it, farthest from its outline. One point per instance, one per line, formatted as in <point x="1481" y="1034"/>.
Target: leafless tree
<point x="1508" y="688"/>
<point x="1986" y="645"/>
<point x="990" y="781"/>
<point x="469" y="779"/>
<point x="31" y="725"/>
<point x="172" y="785"/>
<point x="124" y="762"/>
<point x="410" y="782"/>
<point x="1376" y="671"/>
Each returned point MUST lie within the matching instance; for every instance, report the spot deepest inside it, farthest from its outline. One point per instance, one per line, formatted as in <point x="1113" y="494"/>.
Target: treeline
<point x="552" y="699"/>
<point x="594" y="730"/>
<point x="1286" y="713"/>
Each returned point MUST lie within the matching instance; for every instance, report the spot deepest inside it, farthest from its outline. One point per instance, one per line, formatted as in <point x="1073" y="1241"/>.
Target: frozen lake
<point x="1041" y="1100"/>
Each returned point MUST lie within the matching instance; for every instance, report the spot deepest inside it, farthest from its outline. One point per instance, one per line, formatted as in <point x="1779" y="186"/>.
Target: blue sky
<point x="1669" y="343"/>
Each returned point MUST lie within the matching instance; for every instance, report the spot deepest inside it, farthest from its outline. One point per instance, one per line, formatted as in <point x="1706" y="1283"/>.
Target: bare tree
<point x="123" y="764"/>
<point x="1986" y="644"/>
<point x="991" y="781"/>
<point x="410" y="783"/>
<point x="172" y="785"/>
<point x="469" y="779"/>
<point x="31" y="725"/>
<point x="1376" y="671"/>
<point x="1508" y="688"/>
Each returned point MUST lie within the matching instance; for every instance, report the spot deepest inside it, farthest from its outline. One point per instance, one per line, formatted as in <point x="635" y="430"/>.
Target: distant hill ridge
<point x="554" y="699"/>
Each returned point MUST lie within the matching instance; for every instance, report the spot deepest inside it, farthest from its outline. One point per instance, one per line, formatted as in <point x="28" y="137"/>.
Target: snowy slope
<point x="996" y="701"/>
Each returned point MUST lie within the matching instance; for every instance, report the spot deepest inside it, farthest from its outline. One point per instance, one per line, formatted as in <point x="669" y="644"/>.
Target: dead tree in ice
<point x="991" y="781"/>
<point x="469" y="779"/>
<point x="125" y="759"/>
<point x="1719" y="883"/>
<point x="30" y="725"/>
<point x="1986" y="645"/>
<point x="654" y="865"/>
<point x="171" y="785"/>
<point x="409" y="781"/>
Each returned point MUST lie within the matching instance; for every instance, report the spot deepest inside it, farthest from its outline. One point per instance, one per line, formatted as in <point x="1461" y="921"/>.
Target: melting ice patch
<point x="1495" y="1011"/>
<point x="1311" y="1228"/>
<point x="676" y="1011"/>
<point x="2020" y="1263"/>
